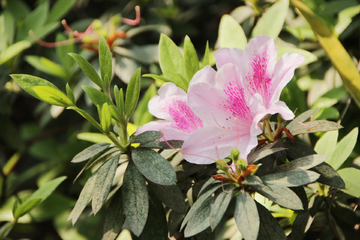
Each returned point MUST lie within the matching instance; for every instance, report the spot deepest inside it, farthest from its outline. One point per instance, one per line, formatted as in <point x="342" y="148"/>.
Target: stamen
<point x="76" y="33"/>
<point x="134" y="22"/>
<point x="218" y="122"/>
<point x="53" y="44"/>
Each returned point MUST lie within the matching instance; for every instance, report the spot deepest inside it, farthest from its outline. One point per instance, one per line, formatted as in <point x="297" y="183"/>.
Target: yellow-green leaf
<point x="13" y="50"/>
<point x="53" y="96"/>
<point x="47" y="66"/>
<point x="231" y="34"/>
<point x="335" y="50"/>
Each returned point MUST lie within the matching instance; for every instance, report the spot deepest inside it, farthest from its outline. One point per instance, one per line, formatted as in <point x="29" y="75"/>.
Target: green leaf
<point x="13" y="50"/>
<point x="264" y="153"/>
<point x="153" y="166"/>
<point x="171" y="196"/>
<point x="6" y="229"/>
<point x="27" y="82"/>
<point x="104" y="180"/>
<point x="351" y="177"/>
<point x="338" y="55"/>
<point x="327" y="143"/>
<point x="190" y="58"/>
<point x="315" y="126"/>
<point x="280" y="195"/>
<point x="294" y="178"/>
<point x="200" y="220"/>
<point x="171" y="61"/>
<point x="47" y="66"/>
<point x="309" y="57"/>
<point x="96" y="96"/>
<point x="115" y="218"/>
<point x="269" y="226"/>
<point x="156" y="225"/>
<point x="45" y="191"/>
<point x="84" y="198"/>
<point x="26" y="207"/>
<point x="293" y="125"/>
<point x="272" y="21"/>
<point x="52" y="96"/>
<point x="88" y="117"/>
<point x="70" y="94"/>
<point x="62" y="52"/>
<point x="146" y="137"/>
<point x="219" y="207"/>
<point x="199" y="203"/>
<point x="135" y="199"/>
<point x="329" y="176"/>
<point x="18" y="8"/>
<point x="119" y="99"/>
<point x="231" y="34"/>
<point x="252" y="180"/>
<point x="105" y="119"/>
<point x="141" y="113"/>
<point x="87" y="69"/>
<point x="206" y="58"/>
<point x="60" y="8"/>
<point x="343" y="149"/>
<point x="302" y="220"/>
<point x="94" y="137"/>
<point x="303" y="163"/>
<point x="246" y="216"/>
<point x="105" y="62"/>
<point x="132" y="93"/>
<point x="42" y="31"/>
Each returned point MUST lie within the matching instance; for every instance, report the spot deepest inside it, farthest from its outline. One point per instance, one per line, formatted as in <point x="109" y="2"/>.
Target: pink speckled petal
<point x="283" y="73"/>
<point x="205" y="75"/>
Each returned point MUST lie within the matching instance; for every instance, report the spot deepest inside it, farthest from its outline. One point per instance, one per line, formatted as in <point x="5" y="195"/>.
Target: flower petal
<point x="284" y="72"/>
<point x="166" y="129"/>
<point x="205" y="75"/>
<point x="281" y="108"/>
<point x="230" y="55"/>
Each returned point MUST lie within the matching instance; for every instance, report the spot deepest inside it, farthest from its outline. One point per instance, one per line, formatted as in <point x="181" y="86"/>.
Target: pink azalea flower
<point x="261" y="74"/>
<point x="172" y="106"/>
<point x="231" y="115"/>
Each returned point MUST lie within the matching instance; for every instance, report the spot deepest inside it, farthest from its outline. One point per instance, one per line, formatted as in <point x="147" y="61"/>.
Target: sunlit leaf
<point x="231" y="34"/>
<point x="47" y="66"/>
<point x="87" y="69"/>
<point x="13" y="50"/>
<point x="190" y="58"/>
<point x="26" y="207"/>
<point x="351" y="177"/>
<point x="132" y="93"/>
<point x="53" y="96"/>
<point x="105" y="62"/>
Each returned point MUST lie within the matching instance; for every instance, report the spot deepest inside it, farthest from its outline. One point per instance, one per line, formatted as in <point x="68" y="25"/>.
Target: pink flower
<point x="261" y="74"/>
<point x="230" y="114"/>
<point x="172" y="106"/>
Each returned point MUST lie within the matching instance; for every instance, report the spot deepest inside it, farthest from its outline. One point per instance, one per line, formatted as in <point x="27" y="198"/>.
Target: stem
<point x="113" y="138"/>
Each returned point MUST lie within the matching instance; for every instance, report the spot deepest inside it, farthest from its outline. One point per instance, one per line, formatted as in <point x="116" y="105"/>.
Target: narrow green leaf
<point x="264" y="153"/>
<point x="156" y="225"/>
<point x="87" y="69"/>
<point x="84" y="198"/>
<point x="52" y="96"/>
<point x="153" y="166"/>
<point x="114" y="219"/>
<point x="351" y="177"/>
<point x="246" y="216"/>
<point x="27" y="82"/>
<point x="119" y="99"/>
<point x="309" y="57"/>
<point x="6" y="229"/>
<point x="105" y="118"/>
<point x="190" y="58"/>
<point x="280" y="195"/>
<point x="200" y="220"/>
<point x="91" y="151"/>
<point x="207" y="185"/>
<point x="94" y="137"/>
<point x="272" y="21"/>
<point x="171" y="196"/>
<point x="231" y="34"/>
<point x="60" y="8"/>
<point x="269" y="226"/>
<point x="219" y="207"/>
<point x="62" y="52"/>
<point x="253" y="180"/>
<point x="103" y="183"/>
<point x="70" y="94"/>
<point x="87" y="117"/>
<point x="163" y="145"/>
<point x="206" y="58"/>
<point x="105" y="62"/>
<point x="13" y="50"/>
<point x="116" y="114"/>
<point x="26" y="207"/>
<point x="132" y="94"/>
<point x="47" y="66"/>
<point x="146" y="137"/>
<point x="135" y="199"/>
<point x="335" y="50"/>
<point x="293" y="125"/>
<point x="329" y="176"/>
<point x="171" y="61"/>
<point x="302" y="220"/>
<point x="316" y="126"/>
<point x="303" y="163"/>
<point x="45" y="191"/>
<point x="294" y="178"/>
<point x="199" y="203"/>
<point x="96" y="96"/>
<point x="343" y="149"/>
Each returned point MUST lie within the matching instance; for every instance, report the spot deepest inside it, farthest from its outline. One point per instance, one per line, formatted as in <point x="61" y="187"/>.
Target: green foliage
<point x="231" y="34"/>
<point x="105" y="63"/>
<point x="132" y="94"/>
